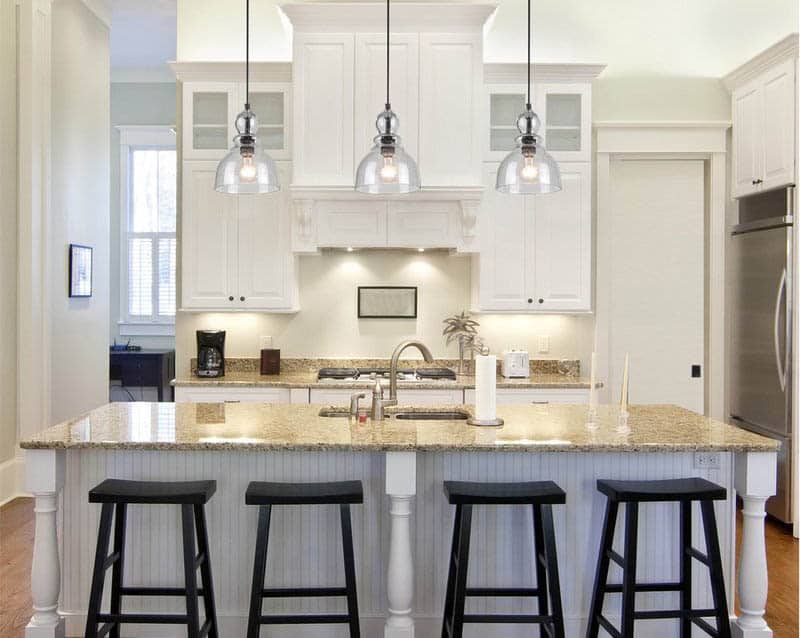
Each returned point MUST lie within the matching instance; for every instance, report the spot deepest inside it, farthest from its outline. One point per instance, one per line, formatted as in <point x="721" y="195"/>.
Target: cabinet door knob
<point x="757" y="181"/>
<point x="230" y="298"/>
<point x="241" y="298"/>
<point x="541" y="300"/>
<point x="530" y="300"/>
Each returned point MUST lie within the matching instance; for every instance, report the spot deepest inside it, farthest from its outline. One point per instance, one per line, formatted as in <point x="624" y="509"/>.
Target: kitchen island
<point x="402" y="531"/>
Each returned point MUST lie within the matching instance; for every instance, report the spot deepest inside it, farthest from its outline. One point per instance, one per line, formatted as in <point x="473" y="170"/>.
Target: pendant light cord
<point x="247" y="56"/>
<point x="528" y="105"/>
<point x="388" y="103"/>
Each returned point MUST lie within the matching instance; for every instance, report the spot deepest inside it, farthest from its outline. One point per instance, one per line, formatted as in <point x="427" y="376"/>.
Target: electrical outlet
<point x="544" y="344"/>
<point x="706" y="460"/>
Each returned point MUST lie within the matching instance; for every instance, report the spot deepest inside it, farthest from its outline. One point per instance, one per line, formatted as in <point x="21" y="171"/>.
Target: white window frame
<point x="132" y="137"/>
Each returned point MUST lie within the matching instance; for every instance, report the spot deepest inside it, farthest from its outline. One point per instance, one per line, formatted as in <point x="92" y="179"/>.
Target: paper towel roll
<point x="485" y="387"/>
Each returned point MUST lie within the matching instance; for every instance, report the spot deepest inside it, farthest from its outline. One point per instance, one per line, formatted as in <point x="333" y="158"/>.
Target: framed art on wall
<point x="80" y="271"/>
<point x="387" y="302"/>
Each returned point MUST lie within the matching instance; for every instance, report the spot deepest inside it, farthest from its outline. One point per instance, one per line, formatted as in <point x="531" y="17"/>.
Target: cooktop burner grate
<point x="337" y="373"/>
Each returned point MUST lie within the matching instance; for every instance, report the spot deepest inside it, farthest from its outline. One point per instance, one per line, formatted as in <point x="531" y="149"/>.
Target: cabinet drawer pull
<point x="232" y="401"/>
<point x="540" y="402"/>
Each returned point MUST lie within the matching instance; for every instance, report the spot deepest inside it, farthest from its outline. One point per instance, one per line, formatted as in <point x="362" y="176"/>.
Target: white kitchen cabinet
<point x="222" y="394"/>
<point x="513" y="396"/>
<point x="407" y="397"/>
<point x="764" y="128"/>
<point x="413" y="224"/>
<point x="324" y="85"/>
<point x="209" y="111"/>
<point x="351" y="223"/>
<point x="235" y="251"/>
<point x="536" y="252"/>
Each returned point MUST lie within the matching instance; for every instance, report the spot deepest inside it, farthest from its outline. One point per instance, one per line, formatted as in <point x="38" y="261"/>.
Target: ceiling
<point x="687" y="38"/>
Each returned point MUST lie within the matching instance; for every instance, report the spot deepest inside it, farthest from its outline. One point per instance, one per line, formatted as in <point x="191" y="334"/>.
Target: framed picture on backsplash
<point x="80" y="271"/>
<point x="387" y="302"/>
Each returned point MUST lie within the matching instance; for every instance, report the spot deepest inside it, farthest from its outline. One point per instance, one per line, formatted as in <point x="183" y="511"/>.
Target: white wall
<point x="8" y="222"/>
<point x="133" y="103"/>
<point x="79" y="209"/>
<point x="327" y="325"/>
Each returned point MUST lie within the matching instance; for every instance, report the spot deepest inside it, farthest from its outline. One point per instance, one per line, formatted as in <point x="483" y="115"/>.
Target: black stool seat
<point x="540" y="496"/>
<point x="466" y="493"/>
<point x="259" y="493"/>
<point x="265" y="495"/>
<point x="683" y="492"/>
<point x="688" y="489"/>
<point x="153" y="492"/>
<point x="115" y="496"/>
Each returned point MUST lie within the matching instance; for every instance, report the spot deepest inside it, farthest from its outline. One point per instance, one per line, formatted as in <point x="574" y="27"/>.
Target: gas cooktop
<point x="366" y="374"/>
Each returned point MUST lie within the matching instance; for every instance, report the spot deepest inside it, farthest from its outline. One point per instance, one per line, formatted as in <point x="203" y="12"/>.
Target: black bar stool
<point x="191" y="496"/>
<point x="542" y="495"/>
<point x="683" y="491"/>
<point x="265" y="495"/>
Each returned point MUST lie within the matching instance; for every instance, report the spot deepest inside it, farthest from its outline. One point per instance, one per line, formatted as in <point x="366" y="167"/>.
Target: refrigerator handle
<point x="776" y="331"/>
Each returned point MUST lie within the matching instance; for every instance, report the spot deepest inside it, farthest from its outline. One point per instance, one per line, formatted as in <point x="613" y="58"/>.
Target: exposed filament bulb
<point x="529" y="169"/>
<point x="389" y="169"/>
<point x="248" y="170"/>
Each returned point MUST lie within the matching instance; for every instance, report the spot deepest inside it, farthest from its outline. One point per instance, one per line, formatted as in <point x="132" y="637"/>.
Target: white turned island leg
<point x="755" y="482"/>
<point x="44" y="471"/>
<point x="401" y="485"/>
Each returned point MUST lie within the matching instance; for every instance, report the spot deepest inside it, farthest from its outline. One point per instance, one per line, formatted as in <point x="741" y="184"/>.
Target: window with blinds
<point x="150" y="235"/>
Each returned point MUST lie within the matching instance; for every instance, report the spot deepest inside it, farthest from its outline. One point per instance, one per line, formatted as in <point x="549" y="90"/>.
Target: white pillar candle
<point x="485" y="387"/>
<point x="623" y="399"/>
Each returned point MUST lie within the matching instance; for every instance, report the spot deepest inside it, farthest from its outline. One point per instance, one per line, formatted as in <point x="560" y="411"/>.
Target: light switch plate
<point x="544" y="344"/>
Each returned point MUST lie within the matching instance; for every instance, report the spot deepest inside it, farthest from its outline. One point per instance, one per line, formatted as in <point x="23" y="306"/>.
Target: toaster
<point x="516" y="364"/>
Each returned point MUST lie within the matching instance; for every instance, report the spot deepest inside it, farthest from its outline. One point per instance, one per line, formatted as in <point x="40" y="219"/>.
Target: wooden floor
<point x="16" y="545"/>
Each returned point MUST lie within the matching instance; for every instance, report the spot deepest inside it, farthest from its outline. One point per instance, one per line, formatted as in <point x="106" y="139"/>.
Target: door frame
<point x="706" y="141"/>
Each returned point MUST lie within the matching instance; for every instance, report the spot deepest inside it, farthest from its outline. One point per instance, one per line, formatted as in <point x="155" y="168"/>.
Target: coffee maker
<point x="210" y="353"/>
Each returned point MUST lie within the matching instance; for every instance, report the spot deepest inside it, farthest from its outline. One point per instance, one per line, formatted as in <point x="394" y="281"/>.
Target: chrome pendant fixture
<point x="247" y="168"/>
<point x="529" y="169"/>
<point x="387" y="168"/>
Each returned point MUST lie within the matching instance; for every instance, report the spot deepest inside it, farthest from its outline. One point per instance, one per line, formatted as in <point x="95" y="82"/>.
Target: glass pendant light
<point x="387" y="168"/>
<point x="529" y="169"/>
<point x="247" y="168"/>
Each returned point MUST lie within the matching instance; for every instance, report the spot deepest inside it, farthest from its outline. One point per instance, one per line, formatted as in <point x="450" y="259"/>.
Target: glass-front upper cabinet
<point x="210" y="108"/>
<point x="564" y="110"/>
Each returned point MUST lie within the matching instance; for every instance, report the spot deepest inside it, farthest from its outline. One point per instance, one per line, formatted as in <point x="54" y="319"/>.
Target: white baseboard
<point x="12" y="474"/>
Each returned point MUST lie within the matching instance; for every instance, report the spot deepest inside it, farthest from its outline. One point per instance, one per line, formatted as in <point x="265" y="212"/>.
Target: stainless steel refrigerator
<point x="762" y="271"/>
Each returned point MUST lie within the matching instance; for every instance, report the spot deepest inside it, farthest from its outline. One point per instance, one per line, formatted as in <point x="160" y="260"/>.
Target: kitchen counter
<point x="261" y="426"/>
<point x="405" y="521"/>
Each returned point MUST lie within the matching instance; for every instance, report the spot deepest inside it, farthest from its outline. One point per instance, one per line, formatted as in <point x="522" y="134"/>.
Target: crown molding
<point x="516" y="73"/>
<point x="779" y="51"/>
<point x="370" y="17"/>
<point x="231" y="71"/>
<point x="676" y="137"/>
<point x="714" y="124"/>
<point x="101" y="9"/>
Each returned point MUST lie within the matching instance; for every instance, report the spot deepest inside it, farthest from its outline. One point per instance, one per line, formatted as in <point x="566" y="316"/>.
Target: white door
<point x="266" y="262"/>
<point x="779" y="126"/>
<point x="656" y="308"/>
<point x="208" y="240"/>
<point x="747" y="130"/>
<point x="562" y="248"/>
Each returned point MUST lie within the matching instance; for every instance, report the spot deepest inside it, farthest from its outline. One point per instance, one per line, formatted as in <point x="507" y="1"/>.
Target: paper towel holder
<point x="485" y="422"/>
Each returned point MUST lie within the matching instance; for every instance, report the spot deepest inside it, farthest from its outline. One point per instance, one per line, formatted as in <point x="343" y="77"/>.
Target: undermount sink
<point x="432" y="415"/>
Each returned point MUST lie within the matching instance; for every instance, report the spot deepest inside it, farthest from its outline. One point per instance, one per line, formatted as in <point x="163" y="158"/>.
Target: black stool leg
<point x="540" y="560"/>
<point x="205" y="570"/>
<point x="715" y="568"/>
<point x="259" y="568"/>
<point x="465" y="528"/>
<point x="629" y="569"/>
<point x="119" y="565"/>
<point x="190" y="572"/>
<point x="601" y="575"/>
<point x="551" y="558"/>
<point x="349" y="570"/>
<point x="449" y="599"/>
<point x="99" y="574"/>
<point x="686" y="567"/>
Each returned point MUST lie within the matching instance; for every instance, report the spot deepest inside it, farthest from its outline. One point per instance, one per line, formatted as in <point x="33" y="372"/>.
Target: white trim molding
<point x="779" y="51"/>
<point x="12" y="476"/>
<point x="101" y="9"/>
<point x="666" y="141"/>
<point x="517" y="73"/>
<point x="231" y="71"/>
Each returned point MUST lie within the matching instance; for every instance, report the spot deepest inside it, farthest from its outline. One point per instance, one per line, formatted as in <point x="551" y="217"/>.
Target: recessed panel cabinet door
<point x="503" y="257"/>
<point x="208" y="240"/>
<point x="266" y="263"/>
<point x="779" y="126"/>
<point x="562" y="230"/>
<point x="323" y="108"/>
<point x="747" y="158"/>
<point x="370" y="87"/>
<point x="451" y="105"/>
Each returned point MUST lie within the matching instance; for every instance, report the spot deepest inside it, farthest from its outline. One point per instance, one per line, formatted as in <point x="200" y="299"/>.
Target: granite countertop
<point x="302" y="379"/>
<point x="261" y="426"/>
